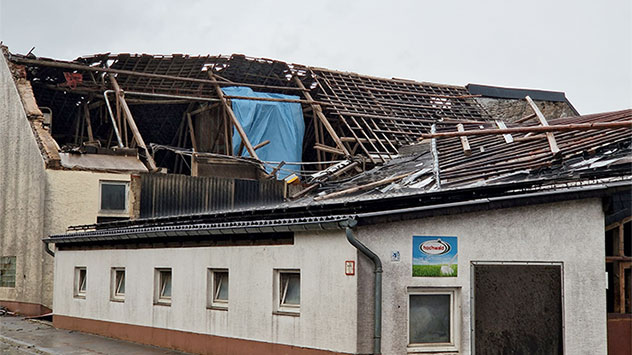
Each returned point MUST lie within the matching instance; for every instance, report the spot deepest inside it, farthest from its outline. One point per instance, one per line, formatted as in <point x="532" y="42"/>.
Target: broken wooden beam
<point x="235" y="121"/>
<point x="508" y="137"/>
<point x="319" y="113"/>
<point x="549" y="135"/>
<point x="328" y="149"/>
<point x="262" y="144"/>
<point x="361" y="187"/>
<point x="132" y="124"/>
<point x="76" y="66"/>
<point x="554" y="128"/>
<point x="464" y="142"/>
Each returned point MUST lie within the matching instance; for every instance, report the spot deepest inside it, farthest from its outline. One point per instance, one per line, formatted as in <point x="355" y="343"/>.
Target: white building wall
<point x="328" y="296"/>
<point x="570" y="232"/>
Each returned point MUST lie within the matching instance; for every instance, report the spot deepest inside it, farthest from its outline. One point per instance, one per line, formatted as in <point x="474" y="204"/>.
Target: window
<point x="218" y="288"/>
<point x="289" y="291"/>
<point x="7" y="271"/>
<point x="117" y="285"/>
<point x="431" y="320"/>
<point x="163" y="287"/>
<point x="114" y="197"/>
<point x="81" y="280"/>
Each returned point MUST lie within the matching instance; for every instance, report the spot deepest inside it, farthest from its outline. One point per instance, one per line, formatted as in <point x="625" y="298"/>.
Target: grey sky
<point x="581" y="47"/>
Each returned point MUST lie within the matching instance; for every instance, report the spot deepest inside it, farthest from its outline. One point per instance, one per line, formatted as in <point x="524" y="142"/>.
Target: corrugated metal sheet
<point x="168" y="195"/>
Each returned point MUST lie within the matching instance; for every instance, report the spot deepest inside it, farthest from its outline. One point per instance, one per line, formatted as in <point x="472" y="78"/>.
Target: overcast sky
<point x="581" y="47"/>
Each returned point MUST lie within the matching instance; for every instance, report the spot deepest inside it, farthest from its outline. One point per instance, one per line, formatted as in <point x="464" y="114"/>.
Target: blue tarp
<point x="279" y="122"/>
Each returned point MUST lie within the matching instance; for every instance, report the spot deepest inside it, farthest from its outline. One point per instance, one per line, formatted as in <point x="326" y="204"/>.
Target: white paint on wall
<point x="571" y="233"/>
<point x="328" y="297"/>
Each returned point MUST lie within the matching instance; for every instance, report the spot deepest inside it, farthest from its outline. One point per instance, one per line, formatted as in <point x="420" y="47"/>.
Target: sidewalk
<point x="19" y="336"/>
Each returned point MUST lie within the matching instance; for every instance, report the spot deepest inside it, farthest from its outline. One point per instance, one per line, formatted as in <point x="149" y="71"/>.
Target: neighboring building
<point x="488" y="244"/>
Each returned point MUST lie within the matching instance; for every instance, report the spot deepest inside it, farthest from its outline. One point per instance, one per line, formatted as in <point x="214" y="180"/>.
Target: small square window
<point x="7" y="271"/>
<point x="113" y="197"/>
<point x="163" y="287"/>
<point x="118" y="284"/>
<point x="431" y="320"/>
<point x="218" y="288"/>
<point x="81" y="282"/>
<point x="289" y="291"/>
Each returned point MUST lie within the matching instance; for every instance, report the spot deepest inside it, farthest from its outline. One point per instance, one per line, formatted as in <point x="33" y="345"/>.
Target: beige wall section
<point x="73" y="197"/>
<point x="22" y="190"/>
<point x="328" y="296"/>
<point x="570" y="232"/>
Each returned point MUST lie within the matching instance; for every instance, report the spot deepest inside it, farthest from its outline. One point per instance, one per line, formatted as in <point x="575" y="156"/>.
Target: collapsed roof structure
<point x="175" y="114"/>
<point x="160" y="105"/>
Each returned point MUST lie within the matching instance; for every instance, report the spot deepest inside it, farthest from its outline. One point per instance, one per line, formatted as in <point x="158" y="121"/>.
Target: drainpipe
<point x="47" y="249"/>
<point x="377" y="337"/>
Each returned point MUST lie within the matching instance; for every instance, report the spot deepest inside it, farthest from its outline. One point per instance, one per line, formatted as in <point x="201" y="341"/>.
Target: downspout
<point x="47" y="249"/>
<point x="377" y="337"/>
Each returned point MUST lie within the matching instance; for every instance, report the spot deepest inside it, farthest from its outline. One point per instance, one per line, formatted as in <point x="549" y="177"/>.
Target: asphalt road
<point x="19" y="336"/>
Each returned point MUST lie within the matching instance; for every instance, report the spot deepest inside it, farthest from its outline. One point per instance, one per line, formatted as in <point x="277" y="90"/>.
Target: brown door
<point x="517" y="309"/>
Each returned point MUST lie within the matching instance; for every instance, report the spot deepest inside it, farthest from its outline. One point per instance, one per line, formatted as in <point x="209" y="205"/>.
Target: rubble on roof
<point x="585" y="154"/>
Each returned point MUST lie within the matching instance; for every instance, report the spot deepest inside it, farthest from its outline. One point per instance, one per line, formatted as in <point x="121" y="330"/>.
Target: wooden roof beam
<point x="549" y="135"/>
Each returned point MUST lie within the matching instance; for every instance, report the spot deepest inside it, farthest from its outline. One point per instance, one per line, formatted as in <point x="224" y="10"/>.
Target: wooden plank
<point x="508" y="137"/>
<point x="132" y="124"/>
<point x="192" y="133"/>
<point x="362" y="187"/>
<point x="86" y="115"/>
<point x="555" y="128"/>
<point x="262" y="144"/>
<point x="235" y="121"/>
<point x="319" y="113"/>
<point x="464" y="142"/>
<point x="328" y="149"/>
<point x="549" y="135"/>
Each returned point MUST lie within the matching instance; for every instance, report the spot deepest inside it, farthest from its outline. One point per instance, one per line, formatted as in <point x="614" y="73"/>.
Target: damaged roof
<point x="346" y="114"/>
<point x="524" y="158"/>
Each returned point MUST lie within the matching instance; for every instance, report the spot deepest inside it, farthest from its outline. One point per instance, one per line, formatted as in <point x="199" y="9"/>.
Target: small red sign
<point x="349" y="267"/>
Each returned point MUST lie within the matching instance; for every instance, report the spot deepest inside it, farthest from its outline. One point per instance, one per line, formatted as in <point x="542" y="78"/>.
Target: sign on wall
<point x="435" y="256"/>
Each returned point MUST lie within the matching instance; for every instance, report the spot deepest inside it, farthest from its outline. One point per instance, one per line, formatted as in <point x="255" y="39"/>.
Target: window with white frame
<point x="288" y="291"/>
<point x="218" y="288"/>
<point x="432" y="319"/>
<point x="162" y="286"/>
<point x="117" y="284"/>
<point x="113" y="197"/>
<point x="81" y="282"/>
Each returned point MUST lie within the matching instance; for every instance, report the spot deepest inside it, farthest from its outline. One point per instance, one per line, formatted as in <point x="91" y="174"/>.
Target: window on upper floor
<point x="114" y="197"/>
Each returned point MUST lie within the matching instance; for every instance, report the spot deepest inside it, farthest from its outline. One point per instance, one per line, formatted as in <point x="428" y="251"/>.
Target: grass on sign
<point x="432" y="270"/>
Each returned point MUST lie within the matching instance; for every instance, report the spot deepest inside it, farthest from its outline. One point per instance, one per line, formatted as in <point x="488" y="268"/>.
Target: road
<point x="19" y="336"/>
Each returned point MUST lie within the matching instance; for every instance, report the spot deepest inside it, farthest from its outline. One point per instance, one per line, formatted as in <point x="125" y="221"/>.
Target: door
<point x="517" y="309"/>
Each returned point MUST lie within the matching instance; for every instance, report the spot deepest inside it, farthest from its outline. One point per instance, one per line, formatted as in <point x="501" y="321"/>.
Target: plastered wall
<point x="328" y="296"/>
<point x="22" y="191"/>
<point x="569" y="232"/>
<point x="36" y="202"/>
